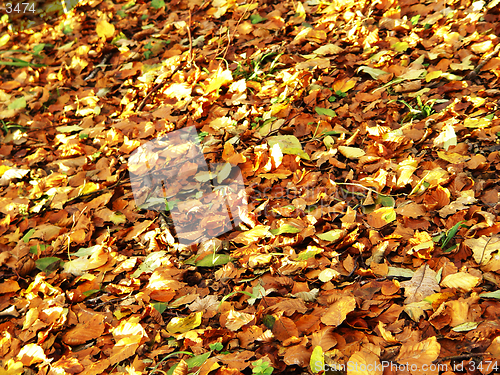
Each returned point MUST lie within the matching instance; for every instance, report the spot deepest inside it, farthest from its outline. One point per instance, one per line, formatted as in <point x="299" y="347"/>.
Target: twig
<point x="98" y="67"/>
<point x="461" y="356"/>
<point x="154" y="89"/>
<point x="364" y="187"/>
<point x="473" y="75"/>
<point x="235" y="29"/>
<point x="97" y="192"/>
<point x="188" y="26"/>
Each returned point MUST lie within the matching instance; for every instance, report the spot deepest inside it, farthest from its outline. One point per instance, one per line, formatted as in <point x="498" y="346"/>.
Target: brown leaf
<point x="87" y="331"/>
<point x="297" y="355"/>
<point x="419" y="354"/>
<point x="284" y="328"/>
<point x="338" y="311"/>
<point x="422" y="284"/>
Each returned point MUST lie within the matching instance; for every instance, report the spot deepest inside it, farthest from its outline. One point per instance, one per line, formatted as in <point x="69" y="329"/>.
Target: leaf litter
<point x="367" y="135"/>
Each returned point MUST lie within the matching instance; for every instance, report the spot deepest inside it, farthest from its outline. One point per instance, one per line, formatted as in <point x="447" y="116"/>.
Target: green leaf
<point x="152" y="262"/>
<point x="288" y="144"/>
<point x="18" y="103"/>
<point x="213" y="260"/>
<point x="90" y="292"/>
<point x="268" y="321"/>
<point x="38" y="48"/>
<point x="325" y="112"/>
<point x="333" y="132"/>
<point x="216" y="346"/>
<point x="262" y="367"/>
<point x="256" y="18"/>
<point x="192" y="362"/>
<point x="451" y="233"/>
<point x="157" y="4"/>
<point x="495" y="294"/>
<point x="332" y="236"/>
<point x="34" y="249"/>
<point x="414" y="19"/>
<point x="385" y="200"/>
<point x="160" y="306"/>
<point x="309" y="253"/>
<point x="67" y="29"/>
<point x="286" y="228"/>
<point x="28" y="235"/>
<point x="47" y="265"/>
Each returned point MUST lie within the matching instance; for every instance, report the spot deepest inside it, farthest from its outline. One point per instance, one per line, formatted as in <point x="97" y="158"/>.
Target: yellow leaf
<point x="328" y="274"/>
<point x="477" y="123"/>
<point x="317" y="361"/>
<point x="328" y="49"/>
<point x="252" y="235"/>
<point x="4" y="39"/>
<point x="219" y="79"/>
<point x="460" y="280"/>
<point x="453" y="157"/>
<point x="181" y="325"/>
<point x="30" y="354"/>
<point x="400" y="46"/>
<point x="338" y="311"/>
<point x="89" y="187"/>
<point x="351" y="152"/>
<point x="343" y="85"/>
<point x="12" y="367"/>
<point x="433" y="75"/>
<point x="104" y="29"/>
<point x="3" y="169"/>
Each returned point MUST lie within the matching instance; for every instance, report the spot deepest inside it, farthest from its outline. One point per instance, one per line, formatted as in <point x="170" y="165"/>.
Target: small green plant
<point x="148" y="52"/>
<point x="445" y="237"/>
<point x="9" y="126"/>
<point x="253" y="70"/>
<point x="22" y="63"/>
<point x="216" y="346"/>
<point x="337" y="95"/>
<point x="157" y="4"/>
<point x="420" y="110"/>
<point x="262" y="368"/>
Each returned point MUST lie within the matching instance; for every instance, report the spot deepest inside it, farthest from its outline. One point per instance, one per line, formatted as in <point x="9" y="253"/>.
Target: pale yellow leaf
<point x="351" y="152"/>
<point x="460" y="280"/>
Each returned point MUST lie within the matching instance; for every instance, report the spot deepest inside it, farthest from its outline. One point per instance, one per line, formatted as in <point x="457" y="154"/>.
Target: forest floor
<point x="363" y="235"/>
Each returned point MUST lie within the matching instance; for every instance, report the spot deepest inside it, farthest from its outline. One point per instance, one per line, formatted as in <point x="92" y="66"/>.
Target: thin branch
<point x="461" y="356"/>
